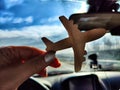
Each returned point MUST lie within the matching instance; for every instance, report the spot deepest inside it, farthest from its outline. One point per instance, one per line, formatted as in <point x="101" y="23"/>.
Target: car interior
<point x="97" y="79"/>
<point x="101" y="68"/>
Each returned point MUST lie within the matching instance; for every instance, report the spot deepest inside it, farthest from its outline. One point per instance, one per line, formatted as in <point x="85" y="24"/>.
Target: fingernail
<point x="49" y="56"/>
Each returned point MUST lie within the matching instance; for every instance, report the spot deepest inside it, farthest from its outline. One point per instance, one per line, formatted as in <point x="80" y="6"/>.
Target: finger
<point x="18" y="74"/>
<point x="39" y="63"/>
<point x="43" y="73"/>
<point x="56" y="63"/>
<point x="14" y="54"/>
<point x="25" y="52"/>
<point x="17" y="54"/>
<point x="31" y="52"/>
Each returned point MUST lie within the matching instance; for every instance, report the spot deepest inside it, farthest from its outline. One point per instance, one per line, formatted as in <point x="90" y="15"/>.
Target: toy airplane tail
<point x="49" y="44"/>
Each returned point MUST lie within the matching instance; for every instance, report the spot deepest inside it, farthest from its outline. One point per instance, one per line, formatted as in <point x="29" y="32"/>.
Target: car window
<point x="25" y="22"/>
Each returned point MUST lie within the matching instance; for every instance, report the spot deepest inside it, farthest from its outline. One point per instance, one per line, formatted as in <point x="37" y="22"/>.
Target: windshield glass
<point x="25" y="22"/>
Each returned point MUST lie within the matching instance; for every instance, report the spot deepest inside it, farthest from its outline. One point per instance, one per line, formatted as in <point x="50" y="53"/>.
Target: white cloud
<point x="34" y="32"/>
<point x="29" y="19"/>
<point x="32" y="35"/>
<point x="10" y="3"/>
<point x="83" y="8"/>
<point x="106" y="42"/>
<point x="17" y="20"/>
<point x="49" y="20"/>
<point x="10" y="19"/>
<point x="4" y="20"/>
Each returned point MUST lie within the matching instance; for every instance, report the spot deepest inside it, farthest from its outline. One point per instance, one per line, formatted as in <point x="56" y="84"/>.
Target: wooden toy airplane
<point x="76" y="40"/>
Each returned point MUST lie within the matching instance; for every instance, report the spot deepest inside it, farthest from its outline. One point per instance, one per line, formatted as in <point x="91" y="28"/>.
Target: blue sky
<point x="24" y="22"/>
<point x="19" y="13"/>
<point x="29" y="18"/>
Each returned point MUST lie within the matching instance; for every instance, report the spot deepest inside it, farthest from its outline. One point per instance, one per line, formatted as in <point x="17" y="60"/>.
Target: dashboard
<point x="75" y="81"/>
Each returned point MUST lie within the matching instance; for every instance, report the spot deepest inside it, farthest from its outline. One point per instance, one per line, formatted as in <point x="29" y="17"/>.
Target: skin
<point x="18" y="63"/>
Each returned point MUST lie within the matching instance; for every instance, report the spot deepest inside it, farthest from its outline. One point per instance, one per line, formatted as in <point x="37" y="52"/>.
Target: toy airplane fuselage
<point x="76" y="40"/>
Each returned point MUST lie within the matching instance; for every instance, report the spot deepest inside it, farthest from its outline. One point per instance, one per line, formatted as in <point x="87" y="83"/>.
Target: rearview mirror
<point x="88" y="21"/>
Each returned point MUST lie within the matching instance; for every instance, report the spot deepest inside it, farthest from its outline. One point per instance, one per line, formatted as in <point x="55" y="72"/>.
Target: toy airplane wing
<point x="76" y="40"/>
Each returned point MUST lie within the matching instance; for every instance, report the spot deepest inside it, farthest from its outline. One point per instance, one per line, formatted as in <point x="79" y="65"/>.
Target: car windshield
<point x="25" y="22"/>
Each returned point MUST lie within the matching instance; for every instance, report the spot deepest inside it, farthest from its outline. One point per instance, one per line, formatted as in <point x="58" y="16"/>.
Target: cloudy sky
<point x="24" y="22"/>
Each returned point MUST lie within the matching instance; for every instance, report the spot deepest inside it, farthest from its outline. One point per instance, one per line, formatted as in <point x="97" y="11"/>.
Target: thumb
<point x="36" y="64"/>
<point x="18" y="74"/>
<point x="40" y="62"/>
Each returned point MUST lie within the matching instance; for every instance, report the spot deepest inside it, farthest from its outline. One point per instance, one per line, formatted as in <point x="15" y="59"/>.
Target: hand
<point x="18" y="63"/>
